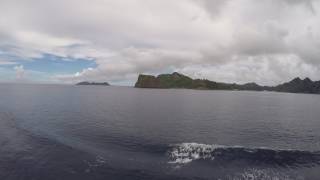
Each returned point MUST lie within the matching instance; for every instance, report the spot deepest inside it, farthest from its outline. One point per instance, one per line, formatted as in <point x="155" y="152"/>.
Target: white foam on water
<point x="99" y="161"/>
<point x="187" y="152"/>
<point x="264" y="174"/>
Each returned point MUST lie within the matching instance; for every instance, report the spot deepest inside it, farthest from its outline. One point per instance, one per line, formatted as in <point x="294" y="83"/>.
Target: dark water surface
<point x="60" y="132"/>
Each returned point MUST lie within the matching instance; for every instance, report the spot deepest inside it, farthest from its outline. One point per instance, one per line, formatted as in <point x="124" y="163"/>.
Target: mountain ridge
<point x="180" y="81"/>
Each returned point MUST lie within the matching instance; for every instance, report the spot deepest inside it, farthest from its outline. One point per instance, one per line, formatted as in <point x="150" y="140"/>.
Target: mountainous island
<point x="177" y="80"/>
<point x="93" y="83"/>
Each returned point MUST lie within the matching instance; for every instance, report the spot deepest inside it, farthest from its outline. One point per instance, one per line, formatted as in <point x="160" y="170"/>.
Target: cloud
<point x="4" y="62"/>
<point x="23" y="75"/>
<point x="264" y="69"/>
<point x="20" y="72"/>
<point x="267" y="41"/>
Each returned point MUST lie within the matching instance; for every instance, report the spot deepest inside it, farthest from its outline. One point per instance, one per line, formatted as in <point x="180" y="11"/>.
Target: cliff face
<point x="147" y="81"/>
<point x="176" y="80"/>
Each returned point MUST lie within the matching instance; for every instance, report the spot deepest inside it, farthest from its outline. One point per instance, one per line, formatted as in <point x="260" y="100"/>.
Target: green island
<point x="179" y="81"/>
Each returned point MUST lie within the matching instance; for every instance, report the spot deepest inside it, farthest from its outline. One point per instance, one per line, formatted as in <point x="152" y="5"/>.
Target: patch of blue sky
<point x="42" y="69"/>
<point x="57" y="65"/>
<point x="49" y="64"/>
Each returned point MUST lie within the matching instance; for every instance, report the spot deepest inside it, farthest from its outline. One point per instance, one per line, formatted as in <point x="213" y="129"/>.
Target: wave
<point x="187" y="152"/>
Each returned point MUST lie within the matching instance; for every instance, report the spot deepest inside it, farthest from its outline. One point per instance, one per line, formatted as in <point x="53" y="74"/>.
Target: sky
<point x="67" y="41"/>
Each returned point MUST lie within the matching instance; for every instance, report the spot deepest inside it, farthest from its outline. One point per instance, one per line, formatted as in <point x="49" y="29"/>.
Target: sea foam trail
<point x="187" y="152"/>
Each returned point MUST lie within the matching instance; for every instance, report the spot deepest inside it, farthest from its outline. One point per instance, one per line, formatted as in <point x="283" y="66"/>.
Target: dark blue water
<point x="57" y="132"/>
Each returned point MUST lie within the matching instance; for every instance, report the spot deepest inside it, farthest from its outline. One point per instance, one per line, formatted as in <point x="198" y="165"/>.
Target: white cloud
<point x="264" y="69"/>
<point x="6" y="62"/>
<point x="20" y="72"/>
<point x="267" y="41"/>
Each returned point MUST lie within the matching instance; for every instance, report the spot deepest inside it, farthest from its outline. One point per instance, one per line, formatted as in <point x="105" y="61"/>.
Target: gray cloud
<point x="266" y="41"/>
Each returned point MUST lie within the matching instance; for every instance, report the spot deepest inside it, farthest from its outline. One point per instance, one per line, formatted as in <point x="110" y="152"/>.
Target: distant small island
<point x="177" y="80"/>
<point x="93" y="83"/>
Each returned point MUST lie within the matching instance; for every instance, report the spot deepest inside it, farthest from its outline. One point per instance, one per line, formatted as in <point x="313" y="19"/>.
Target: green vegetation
<point x="177" y="80"/>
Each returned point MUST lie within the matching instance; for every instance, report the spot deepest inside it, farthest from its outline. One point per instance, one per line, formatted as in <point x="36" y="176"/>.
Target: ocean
<point x="65" y="132"/>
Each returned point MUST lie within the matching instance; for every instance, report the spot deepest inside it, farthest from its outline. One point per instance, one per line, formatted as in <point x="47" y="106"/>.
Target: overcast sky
<point x="66" y="41"/>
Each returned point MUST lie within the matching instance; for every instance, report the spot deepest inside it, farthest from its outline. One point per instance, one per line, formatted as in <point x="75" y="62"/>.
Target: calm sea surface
<point x="61" y="132"/>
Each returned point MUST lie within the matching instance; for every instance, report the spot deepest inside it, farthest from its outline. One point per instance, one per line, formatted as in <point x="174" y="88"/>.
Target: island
<point x="86" y="83"/>
<point x="179" y="81"/>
